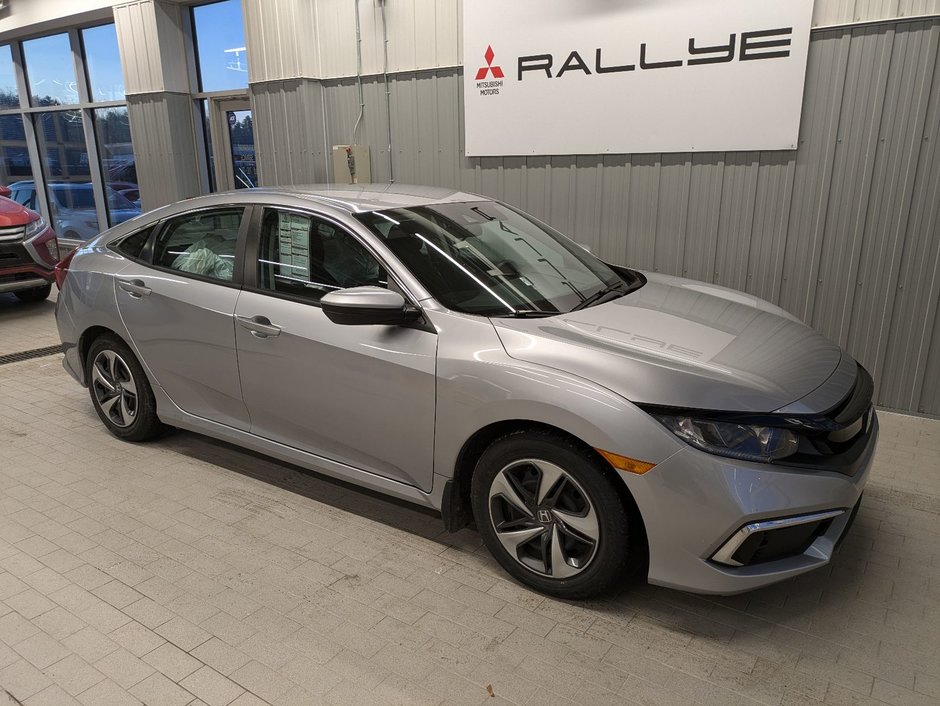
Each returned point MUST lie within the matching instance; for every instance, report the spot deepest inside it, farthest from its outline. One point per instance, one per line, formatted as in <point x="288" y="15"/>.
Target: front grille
<point x="838" y="439"/>
<point x="12" y="234"/>
<point x="13" y="255"/>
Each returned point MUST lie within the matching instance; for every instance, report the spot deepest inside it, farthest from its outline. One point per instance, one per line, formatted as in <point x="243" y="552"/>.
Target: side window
<point x="307" y="257"/>
<point x="133" y="245"/>
<point x="200" y="243"/>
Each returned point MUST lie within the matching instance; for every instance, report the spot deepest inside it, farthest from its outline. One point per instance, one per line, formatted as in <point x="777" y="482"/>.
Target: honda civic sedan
<point x="595" y="422"/>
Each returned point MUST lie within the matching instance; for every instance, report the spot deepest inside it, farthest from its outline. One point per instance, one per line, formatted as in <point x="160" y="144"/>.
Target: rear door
<point x="178" y="304"/>
<point x="359" y="395"/>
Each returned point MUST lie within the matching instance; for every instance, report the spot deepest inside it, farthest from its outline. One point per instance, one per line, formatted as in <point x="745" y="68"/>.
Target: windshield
<point x="486" y="258"/>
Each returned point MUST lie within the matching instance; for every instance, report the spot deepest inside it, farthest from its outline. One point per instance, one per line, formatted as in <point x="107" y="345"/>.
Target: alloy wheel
<point x="114" y="388"/>
<point x="543" y="518"/>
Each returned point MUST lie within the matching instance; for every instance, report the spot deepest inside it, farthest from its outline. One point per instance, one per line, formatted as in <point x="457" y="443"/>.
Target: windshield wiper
<point x="528" y="314"/>
<point x="598" y="296"/>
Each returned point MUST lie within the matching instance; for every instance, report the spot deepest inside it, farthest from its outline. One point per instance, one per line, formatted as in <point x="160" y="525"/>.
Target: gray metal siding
<point x="164" y="147"/>
<point x="844" y="232"/>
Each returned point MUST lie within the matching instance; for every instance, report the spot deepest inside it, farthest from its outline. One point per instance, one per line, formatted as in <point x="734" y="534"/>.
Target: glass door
<point x="232" y="144"/>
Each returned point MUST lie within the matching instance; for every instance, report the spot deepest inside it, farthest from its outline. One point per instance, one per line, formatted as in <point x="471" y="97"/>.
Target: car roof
<point x="357" y="198"/>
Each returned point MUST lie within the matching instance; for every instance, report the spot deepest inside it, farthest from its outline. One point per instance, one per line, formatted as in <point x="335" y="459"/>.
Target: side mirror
<point x="5" y="191"/>
<point x="367" y="306"/>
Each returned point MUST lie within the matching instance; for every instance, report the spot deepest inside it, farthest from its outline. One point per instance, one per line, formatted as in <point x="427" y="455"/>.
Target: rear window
<point x="133" y="245"/>
<point x="201" y="243"/>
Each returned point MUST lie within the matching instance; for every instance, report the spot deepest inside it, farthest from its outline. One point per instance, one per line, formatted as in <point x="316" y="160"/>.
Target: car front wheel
<point x="551" y="516"/>
<point x="120" y="391"/>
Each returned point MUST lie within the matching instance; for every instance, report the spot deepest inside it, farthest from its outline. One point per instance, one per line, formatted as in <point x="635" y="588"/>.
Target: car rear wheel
<point x="120" y="391"/>
<point x="34" y="294"/>
<point x="551" y="515"/>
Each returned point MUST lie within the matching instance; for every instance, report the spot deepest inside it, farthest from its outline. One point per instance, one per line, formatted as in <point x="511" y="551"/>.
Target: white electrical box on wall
<point x="351" y="164"/>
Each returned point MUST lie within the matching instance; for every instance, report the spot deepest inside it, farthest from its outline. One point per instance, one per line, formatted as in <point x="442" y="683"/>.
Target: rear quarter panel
<point x="87" y="301"/>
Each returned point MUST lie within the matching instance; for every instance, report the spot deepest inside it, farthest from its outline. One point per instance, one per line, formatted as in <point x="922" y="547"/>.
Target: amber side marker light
<point x="624" y="463"/>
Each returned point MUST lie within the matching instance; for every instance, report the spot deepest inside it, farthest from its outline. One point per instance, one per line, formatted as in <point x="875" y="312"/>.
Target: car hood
<point x="13" y="214"/>
<point x="681" y="343"/>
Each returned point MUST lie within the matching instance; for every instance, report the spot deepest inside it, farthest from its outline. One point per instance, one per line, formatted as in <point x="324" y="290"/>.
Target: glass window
<point x="9" y="94"/>
<point x="201" y="244"/>
<point x="15" y="165"/>
<point x="103" y="63"/>
<point x="242" y="140"/>
<point x="50" y="70"/>
<point x="61" y="139"/>
<point x="220" y="46"/>
<point x="133" y="245"/>
<point x="305" y="257"/>
<point x="485" y="258"/>
<point x="117" y="163"/>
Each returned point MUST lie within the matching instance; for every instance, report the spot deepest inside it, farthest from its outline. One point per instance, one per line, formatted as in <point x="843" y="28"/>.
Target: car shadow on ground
<point x="682" y="612"/>
<point x="12" y="307"/>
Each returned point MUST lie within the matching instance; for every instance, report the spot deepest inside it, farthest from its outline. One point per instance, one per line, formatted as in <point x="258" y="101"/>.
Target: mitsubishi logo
<point x="496" y="70"/>
<point x="545" y="517"/>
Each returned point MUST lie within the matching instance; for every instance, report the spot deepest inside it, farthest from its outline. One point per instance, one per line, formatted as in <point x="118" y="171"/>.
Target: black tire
<point x="143" y="424"/>
<point x="615" y="552"/>
<point x="34" y="294"/>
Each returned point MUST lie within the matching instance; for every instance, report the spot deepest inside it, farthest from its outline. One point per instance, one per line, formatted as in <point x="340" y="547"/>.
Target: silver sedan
<point x="594" y="421"/>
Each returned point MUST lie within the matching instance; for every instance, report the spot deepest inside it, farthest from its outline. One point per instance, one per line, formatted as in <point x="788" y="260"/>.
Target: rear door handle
<point x="260" y="326"/>
<point x="135" y="287"/>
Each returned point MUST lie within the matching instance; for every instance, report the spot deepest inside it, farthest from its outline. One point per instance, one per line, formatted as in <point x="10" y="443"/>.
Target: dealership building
<point x="182" y="99"/>
<point x="744" y="175"/>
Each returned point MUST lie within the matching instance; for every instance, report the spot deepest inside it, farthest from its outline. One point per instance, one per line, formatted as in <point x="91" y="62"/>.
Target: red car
<point x="29" y="251"/>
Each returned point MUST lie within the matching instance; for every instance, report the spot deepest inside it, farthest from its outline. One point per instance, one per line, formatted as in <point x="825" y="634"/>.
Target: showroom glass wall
<point x="219" y="79"/>
<point x="64" y="130"/>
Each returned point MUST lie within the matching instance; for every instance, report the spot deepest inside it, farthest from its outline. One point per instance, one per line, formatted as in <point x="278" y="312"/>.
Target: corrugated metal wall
<point x="829" y="12"/>
<point x="844" y="232"/>
<point x="316" y="38"/>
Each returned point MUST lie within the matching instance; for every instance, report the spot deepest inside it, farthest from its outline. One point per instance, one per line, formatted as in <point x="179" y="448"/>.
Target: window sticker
<point x="294" y="245"/>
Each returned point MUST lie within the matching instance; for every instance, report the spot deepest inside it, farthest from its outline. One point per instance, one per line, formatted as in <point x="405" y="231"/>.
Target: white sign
<point x="595" y="76"/>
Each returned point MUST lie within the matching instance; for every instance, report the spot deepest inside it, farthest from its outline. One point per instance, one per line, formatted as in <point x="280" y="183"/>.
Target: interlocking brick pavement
<point x="186" y="571"/>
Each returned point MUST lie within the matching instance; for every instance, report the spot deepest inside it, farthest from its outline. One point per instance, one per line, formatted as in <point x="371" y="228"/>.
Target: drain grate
<point x="29" y="355"/>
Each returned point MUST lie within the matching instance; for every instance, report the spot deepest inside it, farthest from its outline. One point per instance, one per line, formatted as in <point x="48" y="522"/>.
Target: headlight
<point x="741" y="441"/>
<point x="34" y="228"/>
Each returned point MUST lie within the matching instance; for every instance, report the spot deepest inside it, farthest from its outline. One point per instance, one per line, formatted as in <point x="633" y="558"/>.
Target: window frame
<point x="85" y="105"/>
<point x="253" y="249"/>
<point x="238" y="269"/>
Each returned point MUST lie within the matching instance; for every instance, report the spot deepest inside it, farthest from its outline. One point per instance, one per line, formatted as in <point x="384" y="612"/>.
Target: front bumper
<point x="694" y="503"/>
<point x="25" y="264"/>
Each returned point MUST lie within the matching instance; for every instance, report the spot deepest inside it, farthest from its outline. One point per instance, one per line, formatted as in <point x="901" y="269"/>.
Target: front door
<point x="232" y="144"/>
<point x="179" y="309"/>
<point x="359" y="395"/>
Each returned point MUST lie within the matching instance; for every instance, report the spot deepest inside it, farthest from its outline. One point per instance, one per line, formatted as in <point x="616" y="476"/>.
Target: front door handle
<point x="135" y="287"/>
<point x="260" y="326"/>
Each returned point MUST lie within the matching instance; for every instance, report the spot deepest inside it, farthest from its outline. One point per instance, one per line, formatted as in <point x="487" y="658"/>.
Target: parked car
<point x="28" y="251"/>
<point x="128" y="190"/>
<point x="447" y="349"/>
<point x="73" y="208"/>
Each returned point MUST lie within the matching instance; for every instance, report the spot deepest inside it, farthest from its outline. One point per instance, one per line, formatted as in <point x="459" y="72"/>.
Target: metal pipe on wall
<point x="362" y="103"/>
<point x="388" y="99"/>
